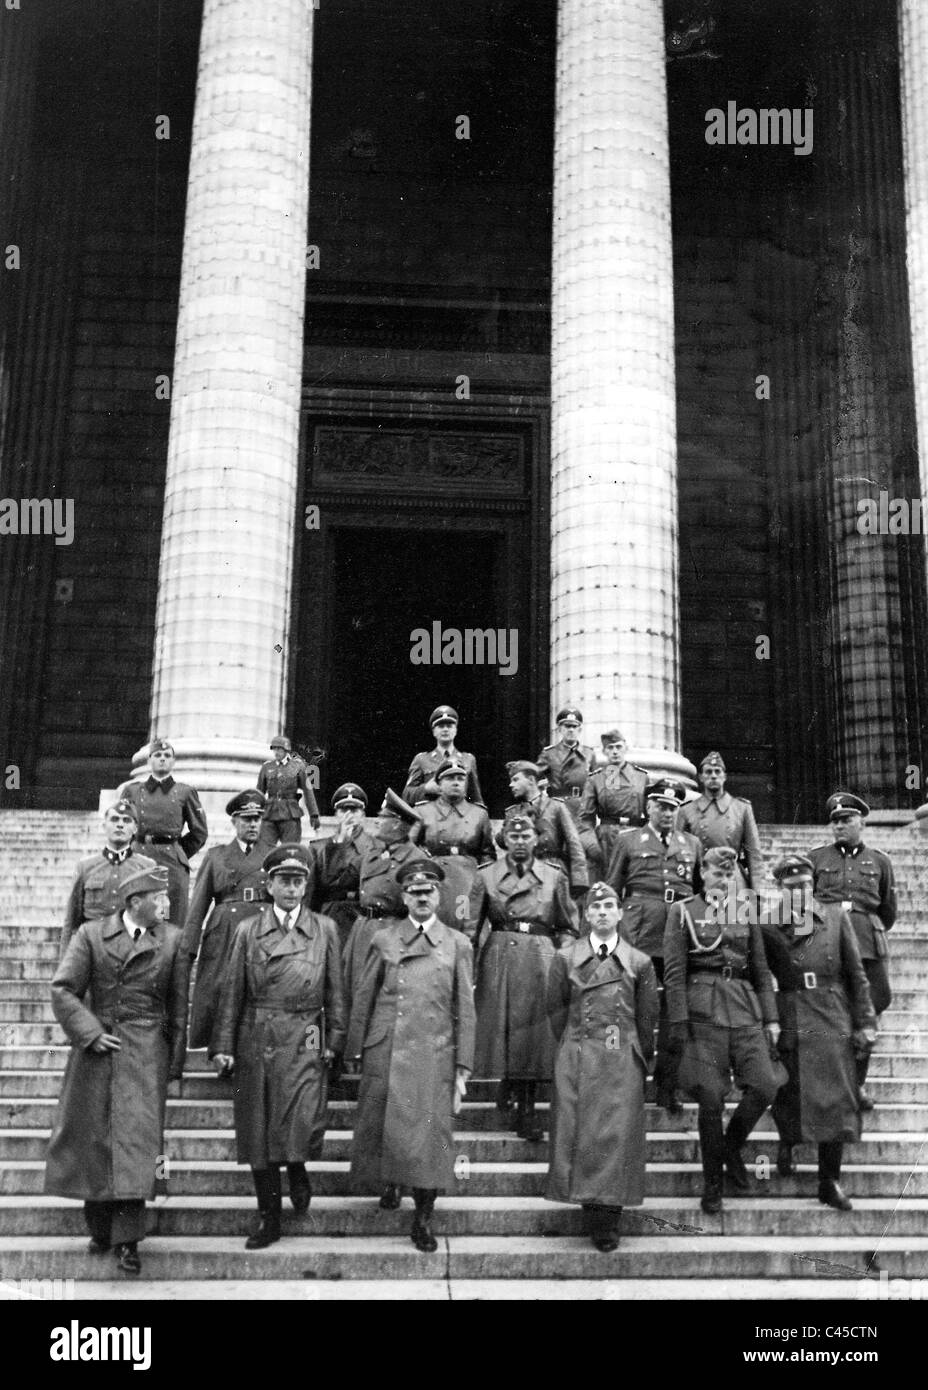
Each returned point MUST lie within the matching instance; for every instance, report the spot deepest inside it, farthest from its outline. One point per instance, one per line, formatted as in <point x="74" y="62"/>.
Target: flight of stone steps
<point x="498" y="1237"/>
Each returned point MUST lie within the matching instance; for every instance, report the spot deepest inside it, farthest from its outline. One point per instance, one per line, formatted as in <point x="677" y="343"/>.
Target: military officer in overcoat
<point x="120" y="994"/>
<point x="558" y="840"/>
<point x="282" y="779"/>
<point x="281" y="1025"/>
<point x="613" y="800"/>
<point x="95" y="891"/>
<point x="651" y="869"/>
<point x="602" y="1005"/>
<point x="827" y="1021"/>
<point x="412" y="1029"/>
<point x="230" y="886"/>
<point x="526" y="904"/>
<point x="170" y="822"/>
<point x="861" y="880"/>
<point x="420" y="780"/>
<point x="716" y="818"/>
<point x="337" y="860"/>
<point x="457" y="835"/>
<point x="567" y="763"/>
<point x="723" y="1018"/>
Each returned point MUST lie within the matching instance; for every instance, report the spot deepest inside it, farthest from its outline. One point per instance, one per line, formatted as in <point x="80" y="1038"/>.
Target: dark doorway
<point x="382" y="585"/>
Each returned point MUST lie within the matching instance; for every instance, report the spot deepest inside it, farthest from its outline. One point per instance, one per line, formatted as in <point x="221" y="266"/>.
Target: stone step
<point x="477" y="1257"/>
<point x="491" y="1146"/>
<point x="346" y="1216"/>
<point x="908" y="1179"/>
<point x="214" y="1112"/>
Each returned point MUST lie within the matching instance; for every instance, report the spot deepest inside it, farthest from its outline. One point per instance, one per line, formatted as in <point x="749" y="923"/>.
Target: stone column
<point x="222" y="626"/>
<point x="614" y="600"/>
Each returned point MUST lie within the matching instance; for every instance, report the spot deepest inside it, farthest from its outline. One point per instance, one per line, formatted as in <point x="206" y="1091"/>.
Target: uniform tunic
<point x="108" y="1134"/>
<point x="413" y="1024"/>
<point x="567" y="767"/>
<point x="95" y="890"/>
<point x="613" y="800"/>
<point x="282" y="784"/>
<point x="337" y="879"/>
<point x="826" y="1000"/>
<point x="558" y="839"/>
<point x="529" y="917"/>
<point x="281" y="1006"/>
<point x="651" y="875"/>
<point x="230" y="886"/>
<point x="422" y="771"/>
<point x="602" y="1014"/>
<point x="726" y="820"/>
<point x="163" y="810"/>
<point x="379" y="897"/>
<point x="458" y="836"/>
<point x="861" y="880"/>
<point x="716" y="979"/>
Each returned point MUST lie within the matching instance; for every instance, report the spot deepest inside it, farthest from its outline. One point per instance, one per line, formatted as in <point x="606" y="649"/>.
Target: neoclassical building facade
<point x="337" y="323"/>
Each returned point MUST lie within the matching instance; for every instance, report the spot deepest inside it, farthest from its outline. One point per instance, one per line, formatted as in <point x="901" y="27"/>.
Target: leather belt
<point x="289" y="1005"/>
<point x="727" y="972"/>
<point x="669" y="895"/>
<point x="809" y="979"/>
<point x="343" y="898"/>
<point x="375" y="912"/>
<point x="249" y="895"/>
<point x="527" y="928"/>
<point x="159" y="839"/>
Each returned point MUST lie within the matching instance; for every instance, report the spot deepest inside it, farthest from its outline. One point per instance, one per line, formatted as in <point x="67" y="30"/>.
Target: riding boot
<point x="421" y="1234"/>
<point x="749" y="1111"/>
<point x="300" y="1190"/>
<point x="267" y="1189"/>
<point x="711" y="1148"/>
<point x="530" y="1126"/>
<point x="829" y="1171"/>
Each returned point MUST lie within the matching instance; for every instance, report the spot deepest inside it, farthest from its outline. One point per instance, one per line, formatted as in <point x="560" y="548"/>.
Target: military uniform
<point x="230" y="886"/>
<point x="567" y="767"/>
<point x="379" y="897"/>
<point x="422" y="772"/>
<point x="458" y="836"/>
<point x="95" y="890"/>
<point x="726" y="820"/>
<point x="558" y="840"/>
<point x="648" y="877"/>
<point x="613" y="800"/>
<point x="337" y="879"/>
<point x="282" y="783"/>
<point x="861" y="879"/>
<point x="171" y="829"/>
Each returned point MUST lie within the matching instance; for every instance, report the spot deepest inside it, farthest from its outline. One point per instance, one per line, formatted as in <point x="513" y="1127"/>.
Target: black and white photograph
<point x="464" y="662"/>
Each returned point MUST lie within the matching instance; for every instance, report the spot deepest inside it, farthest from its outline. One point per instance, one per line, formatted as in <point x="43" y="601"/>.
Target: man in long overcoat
<point x="457" y="834"/>
<point x="281" y="1025"/>
<point x="413" y="1029"/>
<point x="171" y="823"/>
<point x="558" y="840"/>
<point x="229" y="887"/>
<point x="527" y="906"/>
<point x="95" y="891"/>
<point x="827" y="1021"/>
<point x="602" y="1005"/>
<point x="567" y="763"/>
<point x="120" y="994"/>
<point x="337" y="861"/>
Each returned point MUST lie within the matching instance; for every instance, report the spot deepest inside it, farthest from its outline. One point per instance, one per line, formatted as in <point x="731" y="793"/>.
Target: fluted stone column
<point x="614" y="601"/>
<point x="226" y="550"/>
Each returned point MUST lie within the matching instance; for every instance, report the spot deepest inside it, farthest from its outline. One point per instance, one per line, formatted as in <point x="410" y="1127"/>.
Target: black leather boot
<point x="786" y="1164"/>
<point x="300" y="1189"/>
<point x="504" y="1099"/>
<point x="603" y="1227"/>
<point x="829" y="1171"/>
<point x="267" y="1188"/>
<point x="421" y="1234"/>
<point x="127" y="1257"/>
<point x="390" y="1197"/>
<point x="530" y="1126"/>
<point x="750" y="1108"/>
<point x="711" y="1150"/>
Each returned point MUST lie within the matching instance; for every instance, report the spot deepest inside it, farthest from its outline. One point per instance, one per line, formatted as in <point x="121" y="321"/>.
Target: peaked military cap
<point x="247" y="803"/>
<point x="600" y="893"/>
<point x="713" y="760"/>
<point x="287" y="859"/>
<point x="569" y="712"/>
<point x="721" y="857"/>
<point x="523" y="765"/>
<point x="349" y="794"/>
<point x="612" y="736"/>
<point x="667" y="790"/>
<point x="450" y="765"/>
<point x="793" y="866"/>
<point x="443" y="712"/>
<point x="420" y="873"/>
<point x="281" y="742"/>
<point x="844" y="804"/>
<point x="394" y="805"/>
<point x="160" y="745"/>
<point x="153" y="879"/>
<point x="517" y="818"/>
<point x="122" y="808"/>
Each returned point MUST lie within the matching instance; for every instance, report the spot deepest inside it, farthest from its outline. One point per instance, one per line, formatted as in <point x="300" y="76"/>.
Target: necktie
<point x="136" y="933"/>
<point x="603" y="951"/>
<point x="248" y="849"/>
<point x="664" y="839"/>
